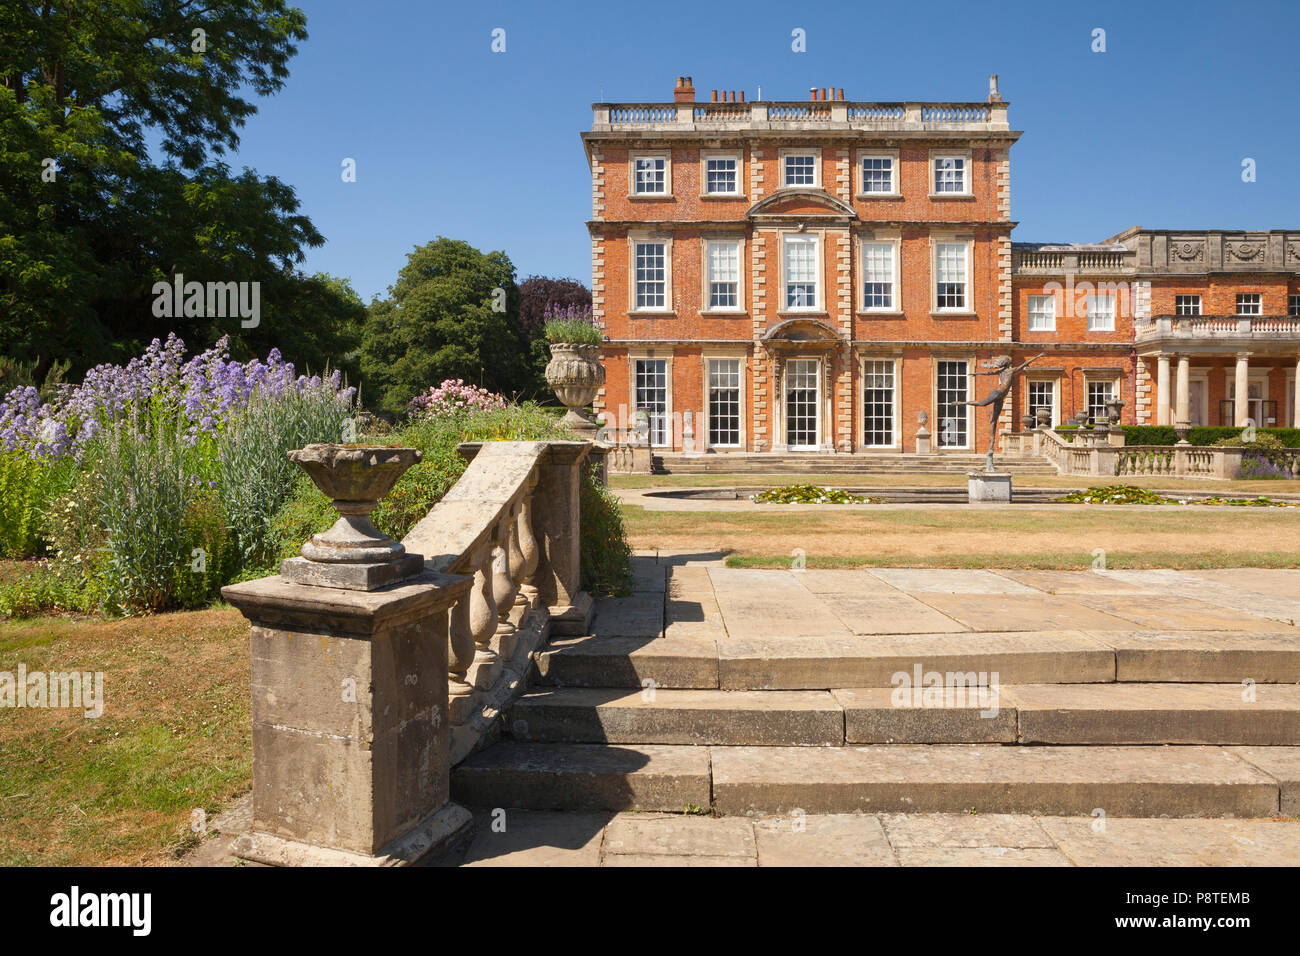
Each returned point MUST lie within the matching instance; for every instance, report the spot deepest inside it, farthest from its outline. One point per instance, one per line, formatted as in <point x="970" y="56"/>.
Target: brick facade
<point x="800" y="360"/>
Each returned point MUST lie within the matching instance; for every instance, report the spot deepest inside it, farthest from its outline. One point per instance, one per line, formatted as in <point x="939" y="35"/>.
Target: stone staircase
<point x="1148" y="723"/>
<point x="830" y="464"/>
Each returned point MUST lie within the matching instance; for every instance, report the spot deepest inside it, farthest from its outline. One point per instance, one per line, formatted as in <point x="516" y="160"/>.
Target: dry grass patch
<point x="174" y="737"/>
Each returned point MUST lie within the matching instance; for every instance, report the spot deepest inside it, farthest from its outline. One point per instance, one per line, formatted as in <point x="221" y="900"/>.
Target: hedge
<point x="1200" y="435"/>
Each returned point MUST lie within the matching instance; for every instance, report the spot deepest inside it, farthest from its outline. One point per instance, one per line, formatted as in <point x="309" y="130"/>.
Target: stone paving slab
<point x="833" y="581"/>
<point x="1023" y="612"/>
<point x="1073" y="582"/>
<point x="639" y="615"/>
<point x="964" y="830"/>
<point x="950" y="581"/>
<point x="1211" y="656"/>
<point x="848" y="839"/>
<point x="1279" y="582"/>
<point x="629" y="662"/>
<point x="680" y="835"/>
<point x="1153" y="842"/>
<point x="1025" y="657"/>
<point x="691" y="608"/>
<point x="1155" y="713"/>
<point x="758" y="603"/>
<point x="1163" y="612"/>
<point x="889" y="614"/>
<point x="965" y="856"/>
<point x="945" y="778"/>
<point x="537" y="838"/>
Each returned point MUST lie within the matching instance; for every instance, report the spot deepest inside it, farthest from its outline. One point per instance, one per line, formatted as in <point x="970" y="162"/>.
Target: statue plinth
<point x="988" y="487"/>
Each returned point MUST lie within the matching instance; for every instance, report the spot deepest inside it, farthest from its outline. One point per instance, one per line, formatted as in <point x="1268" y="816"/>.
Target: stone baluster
<point x="528" y="543"/>
<point x="503" y="588"/>
<point x="461" y="653"/>
<point x="483" y="618"/>
<point x="515" y="553"/>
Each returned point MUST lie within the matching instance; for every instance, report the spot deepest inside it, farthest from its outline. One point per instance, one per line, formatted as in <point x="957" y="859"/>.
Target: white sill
<point x="798" y="312"/>
<point x="935" y="195"/>
<point x="725" y="312"/>
<point x="722" y="195"/>
<point x="649" y="195"/>
<point x="881" y="313"/>
<point x="952" y="314"/>
<point x="652" y="313"/>
<point x="880" y="195"/>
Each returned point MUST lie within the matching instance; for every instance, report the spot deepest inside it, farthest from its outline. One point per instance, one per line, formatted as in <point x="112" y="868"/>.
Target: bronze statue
<point x="1001" y="367"/>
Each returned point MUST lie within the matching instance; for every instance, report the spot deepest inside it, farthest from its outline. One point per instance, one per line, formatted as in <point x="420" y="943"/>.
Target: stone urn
<point x="1027" y="423"/>
<point x="1182" y="430"/>
<point x="576" y="374"/>
<point x="353" y="554"/>
<point x="1044" y="416"/>
<point x="1113" y="411"/>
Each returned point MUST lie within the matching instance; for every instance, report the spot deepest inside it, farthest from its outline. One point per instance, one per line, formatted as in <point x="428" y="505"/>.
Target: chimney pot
<point x="741" y="94"/>
<point x="812" y="92"/>
<point x="840" y="93"/>
<point x="713" y="96"/>
<point x="822" y="92"/>
<point x="685" y="91"/>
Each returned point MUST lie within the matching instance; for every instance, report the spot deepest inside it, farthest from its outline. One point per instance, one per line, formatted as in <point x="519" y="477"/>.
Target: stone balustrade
<point x="363" y="700"/>
<point x="827" y="114"/>
<point x="1221" y="329"/>
<point x="1092" y="458"/>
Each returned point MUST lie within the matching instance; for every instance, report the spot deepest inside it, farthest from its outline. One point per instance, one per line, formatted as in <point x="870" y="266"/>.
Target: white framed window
<point x="722" y="266"/>
<point x="651" y="275"/>
<point x="721" y="175"/>
<point x="877" y="174"/>
<point x="650" y="175"/>
<point x="879" y="403"/>
<point x="1293" y="305"/>
<point x="951" y="276"/>
<point x="951" y="175"/>
<point x="650" y="395"/>
<point x="1249" y="303"/>
<point x="1100" y="393"/>
<point x="1101" y="311"/>
<point x="724" y="379"/>
<point x="800" y="263"/>
<point x="799" y="169"/>
<point x="879" y="274"/>
<point x="1042" y="394"/>
<point x="1042" y="313"/>
<point x="1187" y="305"/>
<point x="951" y="390"/>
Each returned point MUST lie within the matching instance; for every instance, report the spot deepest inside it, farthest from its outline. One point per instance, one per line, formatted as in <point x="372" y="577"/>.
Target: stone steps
<point x="1188" y="781"/>
<point x="851" y="661"/>
<point x="1059" y="714"/>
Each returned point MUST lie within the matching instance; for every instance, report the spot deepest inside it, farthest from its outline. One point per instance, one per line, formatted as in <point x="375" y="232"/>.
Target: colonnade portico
<point x="1173" y="381"/>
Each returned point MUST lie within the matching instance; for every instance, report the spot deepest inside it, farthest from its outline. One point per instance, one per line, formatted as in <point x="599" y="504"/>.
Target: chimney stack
<point x="684" y="92"/>
<point x="994" y="95"/>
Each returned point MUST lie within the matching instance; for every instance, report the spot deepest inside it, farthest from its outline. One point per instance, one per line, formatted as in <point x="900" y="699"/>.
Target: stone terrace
<point x="767" y="697"/>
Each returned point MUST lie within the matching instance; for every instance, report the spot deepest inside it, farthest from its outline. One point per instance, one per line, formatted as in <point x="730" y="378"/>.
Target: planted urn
<point x="353" y="554"/>
<point x="575" y="371"/>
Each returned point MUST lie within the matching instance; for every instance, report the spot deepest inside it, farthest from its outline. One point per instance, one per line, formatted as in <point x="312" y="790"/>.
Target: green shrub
<point x="27" y="486"/>
<point x="605" y="557"/>
<point x="1200" y="435"/>
<point x="42" y="589"/>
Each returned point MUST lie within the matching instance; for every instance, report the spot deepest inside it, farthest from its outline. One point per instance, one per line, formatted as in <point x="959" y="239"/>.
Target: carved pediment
<point x="801" y="202"/>
<point x="801" y="330"/>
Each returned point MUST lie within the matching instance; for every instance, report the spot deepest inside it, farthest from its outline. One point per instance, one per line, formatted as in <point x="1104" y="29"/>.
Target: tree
<point x="89" y="221"/>
<point x="453" y="313"/>
<point x="536" y="293"/>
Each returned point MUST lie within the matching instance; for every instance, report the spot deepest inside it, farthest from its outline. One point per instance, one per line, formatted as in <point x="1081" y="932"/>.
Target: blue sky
<point x="452" y="139"/>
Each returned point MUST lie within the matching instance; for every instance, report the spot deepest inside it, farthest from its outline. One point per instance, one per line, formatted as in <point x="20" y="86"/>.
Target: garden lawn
<point x="174" y="737"/>
<point x="1171" y="536"/>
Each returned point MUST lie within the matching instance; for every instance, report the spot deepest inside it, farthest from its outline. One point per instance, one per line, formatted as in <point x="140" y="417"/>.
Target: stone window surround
<point x="814" y="151"/>
<point x="1090" y="299"/>
<point x="667" y="156"/>
<point x="937" y="237"/>
<point x="818" y="235"/>
<point x="862" y="154"/>
<point x="633" y="237"/>
<point x="738" y="156"/>
<point x="967" y="177"/>
<point x="1103" y="375"/>
<point x="740" y="308"/>
<point x="825" y="395"/>
<point x="972" y="363"/>
<point x="667" y="355"/>
<point x="894" y="236"/>
<point x="897" y="360"/>
<point x="702" y="426"/>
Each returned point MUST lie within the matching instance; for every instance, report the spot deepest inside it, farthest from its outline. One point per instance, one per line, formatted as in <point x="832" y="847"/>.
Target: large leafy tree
<point x="445" y="318"/>
<point x="114" y="118"/>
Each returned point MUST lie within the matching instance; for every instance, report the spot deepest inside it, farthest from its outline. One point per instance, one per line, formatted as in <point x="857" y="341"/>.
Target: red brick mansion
<point x="828" y="275"/>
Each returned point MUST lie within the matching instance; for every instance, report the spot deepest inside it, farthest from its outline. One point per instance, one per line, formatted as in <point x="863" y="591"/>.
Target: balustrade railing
<point x="1102" y="460"/>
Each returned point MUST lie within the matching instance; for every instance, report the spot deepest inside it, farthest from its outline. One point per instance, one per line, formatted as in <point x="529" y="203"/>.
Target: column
<point x="1295" y="399"/>
<point x="1182" y="411"/>
<point x="1241" y="390"/>
<point x="1162" y="389"/>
